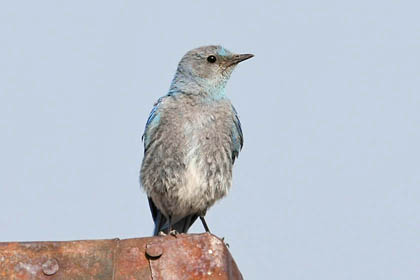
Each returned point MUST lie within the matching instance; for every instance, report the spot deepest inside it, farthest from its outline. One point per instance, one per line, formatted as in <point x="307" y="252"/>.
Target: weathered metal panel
<point x="131" y="262"/>
<point x="57" y="260"/>
<point x="191" y="257"/>
<point x="185" y="256"/>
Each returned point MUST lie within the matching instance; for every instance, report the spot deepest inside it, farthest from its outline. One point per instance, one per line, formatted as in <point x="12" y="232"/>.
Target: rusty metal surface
<point x="191" y="256"/>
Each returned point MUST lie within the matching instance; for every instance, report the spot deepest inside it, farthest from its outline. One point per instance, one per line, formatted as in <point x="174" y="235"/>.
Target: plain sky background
<point x="327" y="184"/>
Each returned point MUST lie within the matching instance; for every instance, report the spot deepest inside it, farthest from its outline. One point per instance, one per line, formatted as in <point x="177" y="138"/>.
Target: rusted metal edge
<point x="186" y="256"/>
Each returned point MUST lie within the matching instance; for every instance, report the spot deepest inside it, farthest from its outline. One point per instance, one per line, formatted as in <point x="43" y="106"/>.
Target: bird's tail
<point x="181" y="226"/>
<point x="162" y="223"/>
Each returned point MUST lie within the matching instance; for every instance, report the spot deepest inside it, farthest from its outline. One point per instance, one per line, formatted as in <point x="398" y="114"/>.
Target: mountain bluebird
<point x="191" y="140"/>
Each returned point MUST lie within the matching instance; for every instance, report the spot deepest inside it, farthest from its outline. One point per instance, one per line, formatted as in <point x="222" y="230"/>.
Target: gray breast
<point x="190" y="165"/>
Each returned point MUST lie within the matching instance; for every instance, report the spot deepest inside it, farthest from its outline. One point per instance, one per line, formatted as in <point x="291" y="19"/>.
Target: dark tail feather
<point x="158" y="218"/>
<point x="185" y="223"/>
<point x="181" y="226"/>
<point x="161" y="222"/>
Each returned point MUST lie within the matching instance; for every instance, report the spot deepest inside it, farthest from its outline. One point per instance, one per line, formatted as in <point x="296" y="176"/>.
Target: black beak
<point x="239" y="58"/>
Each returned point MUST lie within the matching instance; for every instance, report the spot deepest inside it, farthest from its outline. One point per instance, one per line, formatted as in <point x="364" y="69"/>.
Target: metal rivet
<point x="154" y="251"/>
<point x="50" y="267"/>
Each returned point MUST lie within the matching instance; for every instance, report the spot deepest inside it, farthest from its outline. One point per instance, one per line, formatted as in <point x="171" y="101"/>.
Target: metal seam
<point x="114" y="257"/>
<point x="150" y="263"/>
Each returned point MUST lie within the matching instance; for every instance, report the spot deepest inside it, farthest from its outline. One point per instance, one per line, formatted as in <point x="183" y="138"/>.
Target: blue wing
<point x="237" y="136"/>
<point x="152" y="121"/>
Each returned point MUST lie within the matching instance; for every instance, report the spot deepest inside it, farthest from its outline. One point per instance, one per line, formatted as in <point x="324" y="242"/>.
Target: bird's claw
<point x="226" y="244"/>
<point x="174" y="233"/>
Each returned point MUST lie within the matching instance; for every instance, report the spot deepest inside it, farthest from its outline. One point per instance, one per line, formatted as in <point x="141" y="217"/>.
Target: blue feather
<point x="152" y="121"/>
<point x="237" y="136"/>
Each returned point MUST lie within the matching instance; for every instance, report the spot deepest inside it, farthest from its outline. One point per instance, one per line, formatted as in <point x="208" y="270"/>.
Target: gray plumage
<point x="191" y="140"/>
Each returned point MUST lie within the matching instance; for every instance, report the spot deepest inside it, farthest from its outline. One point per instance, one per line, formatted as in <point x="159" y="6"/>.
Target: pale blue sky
<point x="327" y="185"/>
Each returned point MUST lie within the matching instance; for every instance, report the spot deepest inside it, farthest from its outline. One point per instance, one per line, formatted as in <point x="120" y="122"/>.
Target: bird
<point x="191" y="140"/>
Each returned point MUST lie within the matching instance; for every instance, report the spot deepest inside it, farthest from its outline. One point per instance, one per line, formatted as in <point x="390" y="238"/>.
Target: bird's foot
<point x="174" y="233"/>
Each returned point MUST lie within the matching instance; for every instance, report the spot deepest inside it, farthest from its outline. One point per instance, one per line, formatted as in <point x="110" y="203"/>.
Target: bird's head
<point x="206" y="69"/>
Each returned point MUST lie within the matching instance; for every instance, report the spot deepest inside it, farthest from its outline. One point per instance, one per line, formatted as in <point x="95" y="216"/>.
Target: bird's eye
<point x="211" y="59"/>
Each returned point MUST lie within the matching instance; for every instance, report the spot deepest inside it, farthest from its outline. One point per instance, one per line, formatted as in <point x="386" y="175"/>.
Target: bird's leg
<point x="170" y="230"/>
<point x="203" y="221"/>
